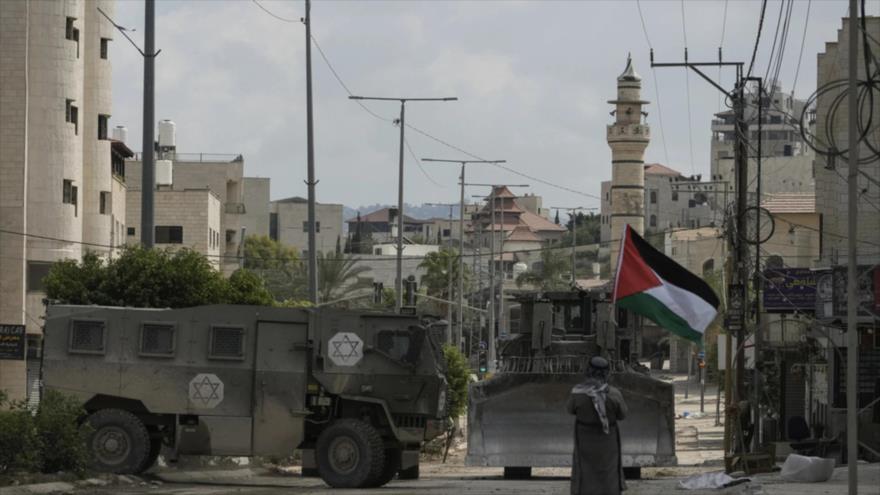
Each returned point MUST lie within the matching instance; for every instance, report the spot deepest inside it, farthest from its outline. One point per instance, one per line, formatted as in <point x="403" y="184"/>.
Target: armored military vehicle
<point x="517" y="418"/>
<point x="356" y="392"/>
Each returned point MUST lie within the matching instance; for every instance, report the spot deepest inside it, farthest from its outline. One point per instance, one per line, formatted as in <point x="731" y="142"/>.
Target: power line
<point x="284" y="19"/>
<point x="687" y="88"/>
<point x="757" y="38"/>
<point x="656" y="86"/>
<point x="419" y="163"/>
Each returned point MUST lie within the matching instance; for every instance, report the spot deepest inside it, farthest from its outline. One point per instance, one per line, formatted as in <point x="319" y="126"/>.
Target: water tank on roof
<point x="164" y="172"/>
<point x="120" y="133"/>
<point x="167" y="138"/>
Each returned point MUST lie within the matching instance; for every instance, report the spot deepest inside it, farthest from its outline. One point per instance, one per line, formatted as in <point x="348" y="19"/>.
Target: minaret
<point x="628" y="137"/>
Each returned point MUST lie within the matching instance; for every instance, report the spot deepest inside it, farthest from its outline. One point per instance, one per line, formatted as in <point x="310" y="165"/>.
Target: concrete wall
<point x="198" y="211"/>
<point x="256" y="205"/>
<point x="831" y="186"/>
<point x="692" y="248"/>
<point x="292" y="226"/>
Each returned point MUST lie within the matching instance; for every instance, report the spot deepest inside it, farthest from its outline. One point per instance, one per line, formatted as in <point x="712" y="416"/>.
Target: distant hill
<point x="415" y="211"/>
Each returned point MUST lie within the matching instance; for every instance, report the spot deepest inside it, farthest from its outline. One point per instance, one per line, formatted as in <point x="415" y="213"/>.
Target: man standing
<point x="596" y="465"/>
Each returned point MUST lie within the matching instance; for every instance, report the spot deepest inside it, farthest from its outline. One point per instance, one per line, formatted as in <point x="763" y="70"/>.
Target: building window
<point x="71" y="115"/>
<point x="653" y="197"/>
<point x="675" y="195"/>
<point x="653" y="221"/>
<point x="102" y="126"/>
<point x="67" y="192"/>
<point x="273" y="226"/>
<point x="130" y="231"/>
<point x="230" y="236"/>
<point x="104" y="202"/>
<point x="36" y="272"/>
<point x="708" y="266"/>
<point x="447" y="233"/>
<point x="306" y="226"/>
<point x="68" y="31"/>
<point x="169" y="234"/>
<point x="105" y="45"/>
<point x="674" y="251"/>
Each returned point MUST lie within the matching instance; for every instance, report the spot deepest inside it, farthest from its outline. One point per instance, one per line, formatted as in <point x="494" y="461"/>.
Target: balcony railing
<point x="235" y="208"/>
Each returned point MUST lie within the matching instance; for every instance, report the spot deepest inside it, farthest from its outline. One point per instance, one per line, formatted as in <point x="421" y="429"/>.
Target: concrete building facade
<point x="55" y="163"/>
<point x="184" y="218"/>
<point x="289" y="224"/>
<point x="224" y="176"/>
<point x="628" y="137"/>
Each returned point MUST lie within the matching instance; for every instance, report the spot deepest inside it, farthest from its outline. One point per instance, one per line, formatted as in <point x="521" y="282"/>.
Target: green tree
<point x="553" y="273"/>
<point x="149" y="278"/>
<point x="441" y="267"/>
<point x="338" y="274"/>
<point x="264" y="253"/>
<point x="457" y="376"/>
<point x="246" y="287"/>
<point x="588" y="229"/>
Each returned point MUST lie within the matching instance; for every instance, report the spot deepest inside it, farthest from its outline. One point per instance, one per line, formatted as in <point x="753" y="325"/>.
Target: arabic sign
<point x="789" y="289"/>
<point x="345" y="349"/>
<point x="206" y="391"/>
<point x="12" y="342"/>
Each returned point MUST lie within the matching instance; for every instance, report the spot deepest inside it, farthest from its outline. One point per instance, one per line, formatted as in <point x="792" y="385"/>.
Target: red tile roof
<point x="537" y="223"/>
<point x="523" y="234"/>
<point x="660" y="169"/>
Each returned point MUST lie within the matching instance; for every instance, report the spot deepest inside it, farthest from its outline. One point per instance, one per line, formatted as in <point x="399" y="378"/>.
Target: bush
<point x="62" y="439"/>
<point x="49" y="441"/>
<point x="457" y="375"/>
<point x="20" y="446"/>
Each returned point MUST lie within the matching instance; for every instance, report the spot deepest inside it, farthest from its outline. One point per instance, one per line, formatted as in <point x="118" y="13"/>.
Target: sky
<point x="532" y="81"/>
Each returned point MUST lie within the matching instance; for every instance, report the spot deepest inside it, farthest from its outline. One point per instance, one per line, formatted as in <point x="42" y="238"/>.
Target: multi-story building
<point x="221" y="174"/>
<point x="58" y="186"/>
<point x="183" y="218"/>
<point x="382" y="225"/>
<point x="787" y="160"/>
<point x="671" y="201"/>
<point x="289" y="224"/>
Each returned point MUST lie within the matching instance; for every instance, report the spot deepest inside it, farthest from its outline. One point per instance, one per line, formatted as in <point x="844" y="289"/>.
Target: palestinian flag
<point x="652" y="285"/>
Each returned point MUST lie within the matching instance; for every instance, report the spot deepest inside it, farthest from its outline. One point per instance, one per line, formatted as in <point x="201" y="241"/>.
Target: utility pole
<point x="573" y="217"/>
<point x="398" y="280"/>
<point x="852" y="331"/>
<point x="451" y="336"/>
<point x="757" y="281"/>
<point x="490" y="339"/>
<point x="148" y="163"/>
<point x="463" y="163"/>
<point x="310" y="160"/>
<point x="737" y="289"/>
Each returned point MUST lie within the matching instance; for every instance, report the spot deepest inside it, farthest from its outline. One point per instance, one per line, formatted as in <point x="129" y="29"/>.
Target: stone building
<point x="58" y="187"/>
<point x="628" y="137"/>
<point x="183" y="218"/>
<point x="786" y="166"/>
<point x="224" y="176"/>
<point x="289" y="224"/>
<point x="671" y="201"/>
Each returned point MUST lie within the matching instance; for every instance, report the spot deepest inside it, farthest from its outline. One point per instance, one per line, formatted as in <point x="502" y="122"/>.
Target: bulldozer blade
<point x="520" y="420"/>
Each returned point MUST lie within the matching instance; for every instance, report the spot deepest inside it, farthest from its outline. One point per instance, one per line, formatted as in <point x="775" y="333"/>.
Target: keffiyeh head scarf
<point x="596" y="387"/>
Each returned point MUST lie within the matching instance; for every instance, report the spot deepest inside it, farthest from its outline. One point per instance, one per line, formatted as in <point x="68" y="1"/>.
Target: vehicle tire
<point x="389" y="469"/>
<point x="349" y="454"/>
<point x="517" y="472"/>
<point x="410" y="473"/>
<point x="155" y="448"/>
<point x="119" y="442"/>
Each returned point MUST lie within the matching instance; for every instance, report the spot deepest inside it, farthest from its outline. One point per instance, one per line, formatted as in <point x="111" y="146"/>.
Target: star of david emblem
<point x="206" y="390"/>
<point x="346" y="349"/>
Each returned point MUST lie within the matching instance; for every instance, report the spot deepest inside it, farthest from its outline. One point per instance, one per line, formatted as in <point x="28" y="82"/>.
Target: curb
<point x="38" y="488"/>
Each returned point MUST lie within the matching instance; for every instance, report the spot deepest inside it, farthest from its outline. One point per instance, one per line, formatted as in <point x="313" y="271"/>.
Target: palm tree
<point x="338" y="273"/>
<point x="552" y="274"/>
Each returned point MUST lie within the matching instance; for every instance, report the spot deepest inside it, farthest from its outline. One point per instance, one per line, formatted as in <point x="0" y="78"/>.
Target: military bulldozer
<point x="357" y="393"/>
<point x="517" y="418"/>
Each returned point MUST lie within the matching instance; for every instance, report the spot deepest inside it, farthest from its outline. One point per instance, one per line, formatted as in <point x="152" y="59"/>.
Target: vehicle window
<point x="157" y="339"/>
<point x="227" y="343"/>
<point x="87" y="336"/>
<point x="402" y="345"/>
